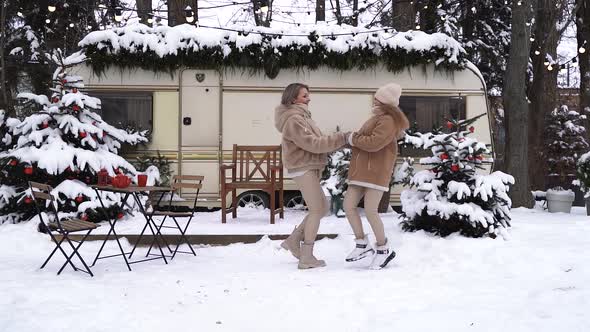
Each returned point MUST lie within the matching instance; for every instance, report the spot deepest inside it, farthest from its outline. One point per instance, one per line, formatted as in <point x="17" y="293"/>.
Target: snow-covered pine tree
<point x="564" y="142"/>
<point x="63" y="143"/>
<point x="334" y="177"/>
<point x="449" y="196"/>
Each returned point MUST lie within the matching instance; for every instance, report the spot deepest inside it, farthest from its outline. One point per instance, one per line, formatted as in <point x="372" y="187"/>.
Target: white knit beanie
<point x="389" y="94"/>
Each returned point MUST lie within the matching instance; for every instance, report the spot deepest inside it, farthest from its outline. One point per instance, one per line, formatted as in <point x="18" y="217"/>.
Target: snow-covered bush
<point x="564" y="142"/>
<point x="583" y="173"/>
<point x="63" y="143"/>
<point x="449" y="196"/>
<point x="335" y="173"/>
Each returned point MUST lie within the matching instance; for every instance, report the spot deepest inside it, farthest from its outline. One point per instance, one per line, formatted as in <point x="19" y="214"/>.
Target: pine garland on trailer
<point x="449" y="196"/>
<point x="165" y="49"/>
<point x="63" y="143"/>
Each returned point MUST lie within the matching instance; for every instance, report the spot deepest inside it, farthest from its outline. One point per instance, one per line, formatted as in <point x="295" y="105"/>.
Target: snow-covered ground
<point x="536" y="281"/>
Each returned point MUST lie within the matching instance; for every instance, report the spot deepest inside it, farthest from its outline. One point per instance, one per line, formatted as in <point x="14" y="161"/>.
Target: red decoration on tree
<point x="444" y="156"/>
<point x="472" y="129"/>
<point x="13" y="162"/>
<point x="84" y="217"/>
<point x="449" y="125"/>
<point x="120" y="215"/>
<point x="83" y="134"/>
<point x="117" y="171"/>
<point x="470" y="157"/>
<point x="55" y="99"/>
<point x="28" y="200"/>
<point x="479" y="157"/>
<point x="74" y="90"/>
<point x="28" y="170"/>
<point x="79" y="199"/>
<point x="45" y="124"/>
<point x="455" y="168"/>
<point x="76" y="108"/>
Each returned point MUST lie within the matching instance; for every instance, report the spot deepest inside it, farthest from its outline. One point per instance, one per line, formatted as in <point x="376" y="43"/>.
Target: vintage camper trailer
<point x="196" y="115"/>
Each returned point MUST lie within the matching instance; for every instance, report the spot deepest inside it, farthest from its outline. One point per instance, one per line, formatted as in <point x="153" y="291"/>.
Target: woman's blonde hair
<point x="291" y="92"/>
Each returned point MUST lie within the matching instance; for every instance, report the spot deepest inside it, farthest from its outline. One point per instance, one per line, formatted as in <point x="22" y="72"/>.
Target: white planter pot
<point x="560" y="201"/>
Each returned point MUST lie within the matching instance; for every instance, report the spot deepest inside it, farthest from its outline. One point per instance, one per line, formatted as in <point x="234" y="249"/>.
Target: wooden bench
<point x="253" y="167"/>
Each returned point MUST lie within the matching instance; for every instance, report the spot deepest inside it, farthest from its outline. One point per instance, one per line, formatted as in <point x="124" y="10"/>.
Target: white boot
<point x="383" y="255"/>
<point x="362" y="250"/>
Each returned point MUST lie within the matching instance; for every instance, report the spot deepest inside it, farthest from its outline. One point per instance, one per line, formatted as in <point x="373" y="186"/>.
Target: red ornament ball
<point x="45" y="124"/>
<point x="79" y="199"/>
<point x="444" y="156"/>
<point x="470" y="157"/>
<point x="28" y="170"/>
<point x="76" y="108"/>
<point x="83" y="134"/>
<point x="455" y="168"/>
<point x="74" y="90"/>
<point x="84" y="217"/>
<point x="472" y="129"/>
<point x="55" y="99"/>
<point x="13" y="162"/>
<point x="28" y="200"/>
<point x="449" y="125"/>
<point x="120" y="215"/>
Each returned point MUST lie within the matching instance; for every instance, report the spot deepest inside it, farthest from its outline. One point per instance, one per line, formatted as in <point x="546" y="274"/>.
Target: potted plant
<point x="564" y="137"/>
<point x="583" y="178"/>
<point x="559" y="199"/>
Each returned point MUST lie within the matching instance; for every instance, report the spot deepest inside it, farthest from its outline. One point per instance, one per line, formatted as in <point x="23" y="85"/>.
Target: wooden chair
<point x="42" y="192"/>
<point x="253" y="167"/>
<point x="180" y="182"/>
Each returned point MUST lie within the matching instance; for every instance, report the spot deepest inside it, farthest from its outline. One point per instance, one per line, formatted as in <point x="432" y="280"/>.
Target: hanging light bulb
<point x="417" y="26"/>
<point x="550" y="68"/>
<point x="51" y="7"/>
<point x="264" y="7"/>
<point x="444" y="18"/>
<point x="546" y="63"/>
<point x="19" y="14"/>
<point x="150" y="20"/>
<point x="582" y="50"/>
<point x="537" y="52"/>
<point x="47" y="21"/>
<point x="439" y="5"/>
<point x="425" y="6"/>
<point x="532" y="39"/>
<point x="89" y="27"/>
<point x="519" y="3"/>
<point x="118" y="14"/>
<point x="188" y="14"/>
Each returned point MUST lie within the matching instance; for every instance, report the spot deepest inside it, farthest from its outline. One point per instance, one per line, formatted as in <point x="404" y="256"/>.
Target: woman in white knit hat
<point x="374" y="150"/>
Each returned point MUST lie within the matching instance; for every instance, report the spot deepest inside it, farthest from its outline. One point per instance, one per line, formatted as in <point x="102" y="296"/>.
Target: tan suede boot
<point x="307" y="259"/>
<point x="293" y="242"/>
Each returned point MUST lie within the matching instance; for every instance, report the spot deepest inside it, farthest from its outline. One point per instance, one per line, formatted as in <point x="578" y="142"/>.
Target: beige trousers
<point x="317" y="205"/>
<point x="372" y="197"/>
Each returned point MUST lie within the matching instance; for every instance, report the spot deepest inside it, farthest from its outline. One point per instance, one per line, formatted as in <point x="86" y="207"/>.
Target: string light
<point x="51" y="7"/>
<point x="537" y="52"/>
<point x="550" y="68"/>
<point x="582" y="50"/>
<point x="188" y="12"/>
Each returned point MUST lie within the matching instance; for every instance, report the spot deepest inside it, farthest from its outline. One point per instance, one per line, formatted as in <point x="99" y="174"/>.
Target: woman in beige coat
<point x="305" y="151"/>
<point x="374" y="150"/>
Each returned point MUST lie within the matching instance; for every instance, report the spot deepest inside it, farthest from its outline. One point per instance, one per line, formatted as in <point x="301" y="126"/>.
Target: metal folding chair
<point x="181" y="184"/>
<point x="64" y="227"/>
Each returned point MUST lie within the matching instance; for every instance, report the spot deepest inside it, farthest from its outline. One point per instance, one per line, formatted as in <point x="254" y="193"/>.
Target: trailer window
<point x="123" y="109"/>
<point x="428" y="113"/>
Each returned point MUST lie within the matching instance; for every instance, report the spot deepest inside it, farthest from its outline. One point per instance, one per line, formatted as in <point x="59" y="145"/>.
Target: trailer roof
<point x="163" y="48"/>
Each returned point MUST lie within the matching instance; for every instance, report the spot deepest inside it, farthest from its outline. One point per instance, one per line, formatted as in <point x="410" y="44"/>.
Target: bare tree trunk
<point x="403" y="15"/>
<point x="176" y="8"/>
<point x="320" y="10"/>
<point x="355" y="13"/>
<point x="338" y="12"/>
<point x="583" y="36"/>
<point x="144" y="8"/>
<point x="543" y="89"/>
<point x="3" y="86"/>
<point x="516" y="106"/>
